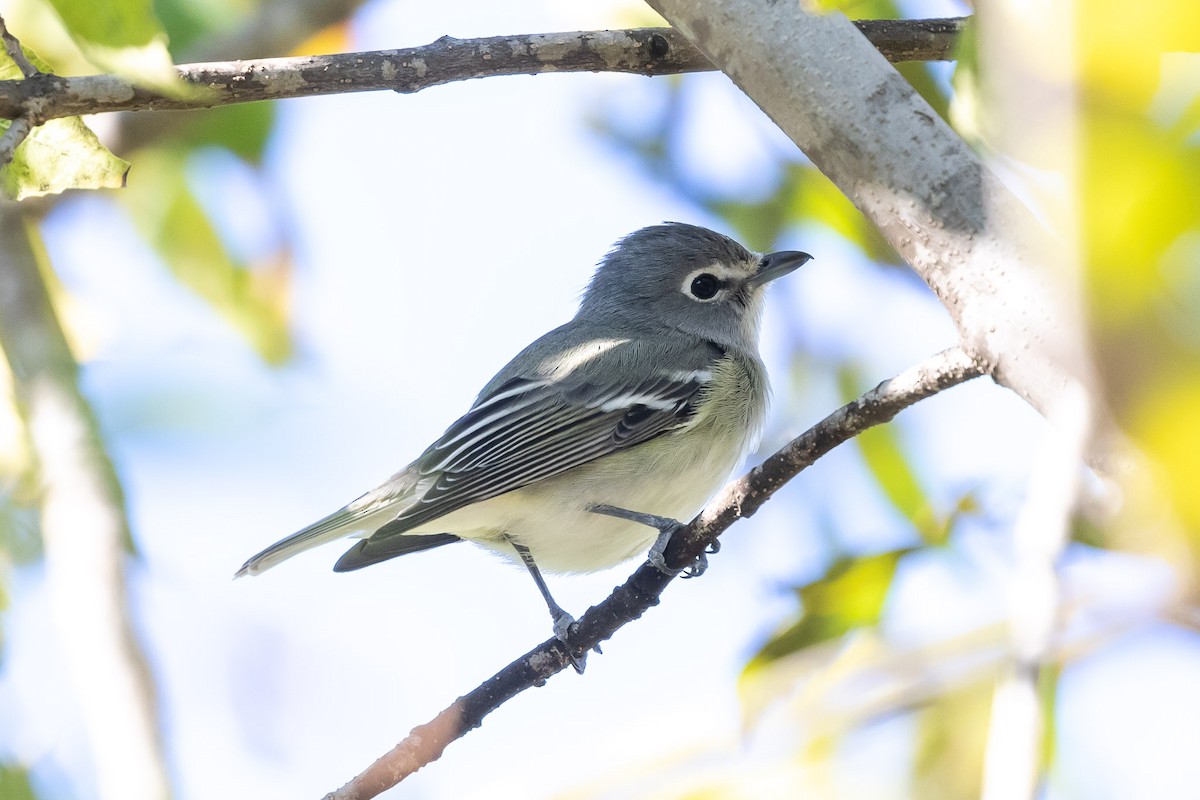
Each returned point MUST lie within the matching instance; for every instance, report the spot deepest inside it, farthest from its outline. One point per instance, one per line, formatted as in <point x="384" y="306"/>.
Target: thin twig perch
<point x="741" y="498"/>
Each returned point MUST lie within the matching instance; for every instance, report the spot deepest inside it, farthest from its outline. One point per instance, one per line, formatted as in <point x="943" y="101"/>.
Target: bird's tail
<point x="362" y="517"/>
<point x="338" y="525"/>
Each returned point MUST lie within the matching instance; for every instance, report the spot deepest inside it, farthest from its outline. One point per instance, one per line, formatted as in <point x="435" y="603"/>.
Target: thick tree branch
<point x="995" y="269"/>
<point x="741" y="498"/>
<point x="644" y="51"/>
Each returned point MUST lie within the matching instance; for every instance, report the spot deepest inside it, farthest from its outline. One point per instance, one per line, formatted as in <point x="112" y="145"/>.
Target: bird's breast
<point x="672" y="476"/>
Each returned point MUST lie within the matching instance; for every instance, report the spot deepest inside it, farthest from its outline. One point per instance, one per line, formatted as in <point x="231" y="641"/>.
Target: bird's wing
<point x="523" y="428"/>
<point x="528" y="429"/>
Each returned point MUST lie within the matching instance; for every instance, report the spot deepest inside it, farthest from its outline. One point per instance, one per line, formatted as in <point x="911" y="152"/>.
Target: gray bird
<point x="634" y="412"/>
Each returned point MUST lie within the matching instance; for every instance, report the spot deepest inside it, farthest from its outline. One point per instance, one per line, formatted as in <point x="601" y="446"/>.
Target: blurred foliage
<point x="1049" y="677"/>
<point x="165" y="209"/>
<point x="242" y="129"/>
<point x="850" y="595"/>
<point x="800" y="191"/>
<point x="1136" y="201"/>
<point x="122" y="37"/>
<point x="77" y="36"/>
<point x="1138" y="204"/>
<point x="1140" y="210"/>
<point x="192" y="23"/>
<point x="895" y="475"/>
<point x="951" y="741"/>
<point x="1139" y="207"/>
<point x="253" y="297"/>
<point x="15" y="783"/>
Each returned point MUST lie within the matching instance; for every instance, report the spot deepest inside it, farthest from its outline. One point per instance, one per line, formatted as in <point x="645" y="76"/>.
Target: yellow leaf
<point x="1166" y="424"/>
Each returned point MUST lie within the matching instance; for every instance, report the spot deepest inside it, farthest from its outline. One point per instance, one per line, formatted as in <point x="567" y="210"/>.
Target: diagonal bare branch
<point x="13" y="48"/>
<point x="741" y="498"/>
<point x="17" y="132"/>
<point x="644" y="51"/>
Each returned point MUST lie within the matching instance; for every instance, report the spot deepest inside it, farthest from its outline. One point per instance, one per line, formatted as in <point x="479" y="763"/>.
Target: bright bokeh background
<point x="428" y="238"/>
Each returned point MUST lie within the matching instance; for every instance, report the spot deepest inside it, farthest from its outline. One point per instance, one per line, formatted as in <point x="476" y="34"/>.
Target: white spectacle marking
<point x="686" y="287"/>
<point x="725" y="272"/>
<point x="728" y="273"/>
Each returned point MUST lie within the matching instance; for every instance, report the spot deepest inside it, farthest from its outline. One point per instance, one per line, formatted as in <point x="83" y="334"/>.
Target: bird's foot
<point x="563" y="624"/>
<point x="666" y="528"/>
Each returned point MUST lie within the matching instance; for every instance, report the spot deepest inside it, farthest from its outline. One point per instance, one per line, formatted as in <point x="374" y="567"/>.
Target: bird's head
<point x="687" y="278"/>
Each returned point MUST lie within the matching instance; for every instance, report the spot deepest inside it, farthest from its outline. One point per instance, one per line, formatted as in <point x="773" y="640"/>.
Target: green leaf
<point x="803" y="194"/>
<point x="814" y="197"/>
<point x="253" y="300"/>
<point x="885" y="460"/>
<point x="921" y="77"/>
<point x="58" y="155"/>
<point x="1049" y="676"/>
<point x="20" y="535"/>
<point x="15" y="783"/>
<point x="3" y="607"/>
<point x="861" y="9"/>
<point x="758" y="224"/>
<point x="125" y="37"/>
<point x="9" y="69"/>
<point x="242" y="129"/>
<point x="967" y="113"/>
<point x="950" y="742"/>
<point x="850" y="595"/>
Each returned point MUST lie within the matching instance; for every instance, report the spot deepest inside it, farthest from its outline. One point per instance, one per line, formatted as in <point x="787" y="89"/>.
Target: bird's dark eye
<point x="705" y="286"/>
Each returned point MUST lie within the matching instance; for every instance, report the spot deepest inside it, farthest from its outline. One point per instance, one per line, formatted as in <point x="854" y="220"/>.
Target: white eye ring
<point x="703" y="286"/>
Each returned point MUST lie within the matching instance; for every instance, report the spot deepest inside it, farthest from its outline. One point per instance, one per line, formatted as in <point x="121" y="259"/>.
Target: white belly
<point x="664" y="476"/>
<point x="551" y="517"/>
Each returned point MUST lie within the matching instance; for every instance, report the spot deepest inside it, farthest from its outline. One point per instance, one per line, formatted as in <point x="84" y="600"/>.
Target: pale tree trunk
<point x="83" y="528"/>
<point x="1008" y="282"/>
<point x="867" y="129"/>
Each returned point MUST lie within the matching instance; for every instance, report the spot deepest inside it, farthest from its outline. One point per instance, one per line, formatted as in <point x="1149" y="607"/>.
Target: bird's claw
<point x="698" y="567"/>
<point x="658" y="550"/>
<point x="656" y="559"/>
<point x="563" y="625"/>
<point x="666" y="528"/>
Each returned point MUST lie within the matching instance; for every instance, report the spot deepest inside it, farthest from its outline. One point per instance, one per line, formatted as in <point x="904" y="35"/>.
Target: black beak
<point x="776" y="265"/>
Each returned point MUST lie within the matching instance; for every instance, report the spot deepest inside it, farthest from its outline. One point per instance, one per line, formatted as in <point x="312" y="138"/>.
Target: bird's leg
<point x="562" y="620"/>
<point x="666" y="528"/>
